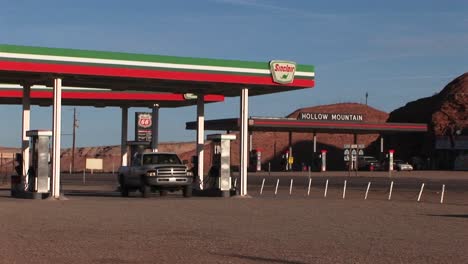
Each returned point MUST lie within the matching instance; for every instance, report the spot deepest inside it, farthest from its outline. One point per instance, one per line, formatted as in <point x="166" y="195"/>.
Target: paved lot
<point x="95" y="225"/>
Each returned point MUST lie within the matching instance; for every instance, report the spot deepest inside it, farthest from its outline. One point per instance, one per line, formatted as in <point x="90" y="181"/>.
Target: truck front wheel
<point x="187" y="191"/>
<point x="145" y="191"/>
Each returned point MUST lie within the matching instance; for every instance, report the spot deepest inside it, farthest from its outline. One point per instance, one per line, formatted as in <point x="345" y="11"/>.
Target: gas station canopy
<point x="75" y="96"/>
<point x="126" y="71"/>
<point x="294" y="125"/>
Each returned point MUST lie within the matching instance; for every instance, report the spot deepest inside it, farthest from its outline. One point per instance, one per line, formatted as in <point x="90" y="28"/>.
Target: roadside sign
<point x="353" y="152"/>
<point x="346" y="152"/>
<point x="361" y="152"/>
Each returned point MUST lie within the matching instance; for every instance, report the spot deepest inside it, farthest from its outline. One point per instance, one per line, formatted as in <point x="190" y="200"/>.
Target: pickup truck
<point x="155" y="171"/>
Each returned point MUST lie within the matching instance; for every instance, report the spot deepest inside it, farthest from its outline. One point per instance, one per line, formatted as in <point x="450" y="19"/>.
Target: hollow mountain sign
<point x="282" y="71"/>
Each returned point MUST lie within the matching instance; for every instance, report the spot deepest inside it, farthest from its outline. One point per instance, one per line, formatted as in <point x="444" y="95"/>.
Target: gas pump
<point x="38" y="173"/>
<point x="220" y="172"/>
<point x="390" y="160"/>
<point x="324" y="160"/>
<point x="137" y="147"/>
<point x="255" y="161"/>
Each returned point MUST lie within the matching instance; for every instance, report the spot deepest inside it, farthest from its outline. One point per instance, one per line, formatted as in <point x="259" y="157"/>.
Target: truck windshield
<point x="160" y="159"/>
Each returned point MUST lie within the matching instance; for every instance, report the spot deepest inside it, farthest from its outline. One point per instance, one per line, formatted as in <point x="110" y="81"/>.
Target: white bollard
<point x="70" y="169"/>
<point x="367" y="191"/>
<point x="290" y="187"/>
<point x="420" y="192"/>
<point x="344" y="189"/>
<point x="263" y="184"/>
<point x="443" y="193"/>
<point x="326" y="189"/>
<point x="308" y="189"/>
<point x="84" y="176"/>
<point x="391" y="190"/>
<point x="235" y="182"/>
<point x="277" y="184"/>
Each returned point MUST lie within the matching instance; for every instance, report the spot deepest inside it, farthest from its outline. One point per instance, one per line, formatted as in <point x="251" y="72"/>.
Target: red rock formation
<point x="445" y="113"/>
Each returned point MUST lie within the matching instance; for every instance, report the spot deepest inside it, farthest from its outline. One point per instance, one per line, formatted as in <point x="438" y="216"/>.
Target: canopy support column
<point x="315" y="142"/>
<point x="381" y="144"/>
<point x="200" y="137"/>
<point x="57" y="129"/>
<point x="25" y="127"/>
<point x="244" y="140"/>
<point x="155" y="128"/>
<point x="123" y="134"/>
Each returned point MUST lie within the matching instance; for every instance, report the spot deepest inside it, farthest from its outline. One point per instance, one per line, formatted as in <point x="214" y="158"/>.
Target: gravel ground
<point x="95" y="225"/>
<point x="93" y="229"/>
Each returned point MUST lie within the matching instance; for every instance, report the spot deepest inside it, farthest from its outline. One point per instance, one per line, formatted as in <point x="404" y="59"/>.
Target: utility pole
<point x="367" y="95"/>
<point x="75" y="125"/>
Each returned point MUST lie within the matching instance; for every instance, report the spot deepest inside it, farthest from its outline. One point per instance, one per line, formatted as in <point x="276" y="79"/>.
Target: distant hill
<point x="445" y="113"/>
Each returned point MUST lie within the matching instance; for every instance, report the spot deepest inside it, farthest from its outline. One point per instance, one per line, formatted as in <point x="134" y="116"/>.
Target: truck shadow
<point x="450" y="215"/>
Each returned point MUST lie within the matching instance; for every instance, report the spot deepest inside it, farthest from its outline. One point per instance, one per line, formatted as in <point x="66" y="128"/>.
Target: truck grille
<point x="167" y="172"/>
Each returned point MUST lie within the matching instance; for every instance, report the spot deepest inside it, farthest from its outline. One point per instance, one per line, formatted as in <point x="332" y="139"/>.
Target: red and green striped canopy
<point x="126" y="71"/>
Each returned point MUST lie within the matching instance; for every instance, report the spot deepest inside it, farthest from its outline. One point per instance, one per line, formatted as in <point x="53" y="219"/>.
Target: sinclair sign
<point x="282" y="71"/>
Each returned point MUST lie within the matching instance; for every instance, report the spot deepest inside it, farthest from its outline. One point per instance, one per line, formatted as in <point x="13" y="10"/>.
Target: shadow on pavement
<point x="451" y="215"/>
<point x="91" y="193"/>
<point x="255" y="258"/>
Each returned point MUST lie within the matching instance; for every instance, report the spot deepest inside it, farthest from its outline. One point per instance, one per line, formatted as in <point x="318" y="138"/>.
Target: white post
<point x="290" y="187"/>
<point x="25" y="127"/>
<point x="420" y="192"/>
<point x="84" y="176"/>
<point x="244" y="136"/>
<point x="308" y="189"/>
<point x="263" y="184"/>
<point x="443" y="193"/>
<point x="200" y="137"/>
<point x="235" y="183"/>
<point x="277" y="184"/>
<point x="367" y="191"/>
<point x="57" y="129"/>
<point x="155" y="128"/>
<point x="344" y="189"/>
<point x="123" y="134"/>
<point x="315" y="143"/>
<point x="391" y="190"/>
<point x="70" y="169"/>
<point x="326" y="189"/>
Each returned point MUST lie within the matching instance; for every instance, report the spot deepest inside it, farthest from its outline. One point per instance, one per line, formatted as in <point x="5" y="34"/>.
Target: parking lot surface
<point x="96" y="225"/>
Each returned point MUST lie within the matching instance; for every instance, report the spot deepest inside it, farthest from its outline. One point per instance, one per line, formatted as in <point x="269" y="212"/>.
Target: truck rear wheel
<point x="123" y="187"/>
<point x="145" y="191"/>
<point x="123" y="191"/>
<point x="187" y="191"/>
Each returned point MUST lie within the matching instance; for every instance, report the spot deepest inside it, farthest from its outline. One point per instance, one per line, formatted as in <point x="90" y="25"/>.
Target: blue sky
<point x="397" y="51"/>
